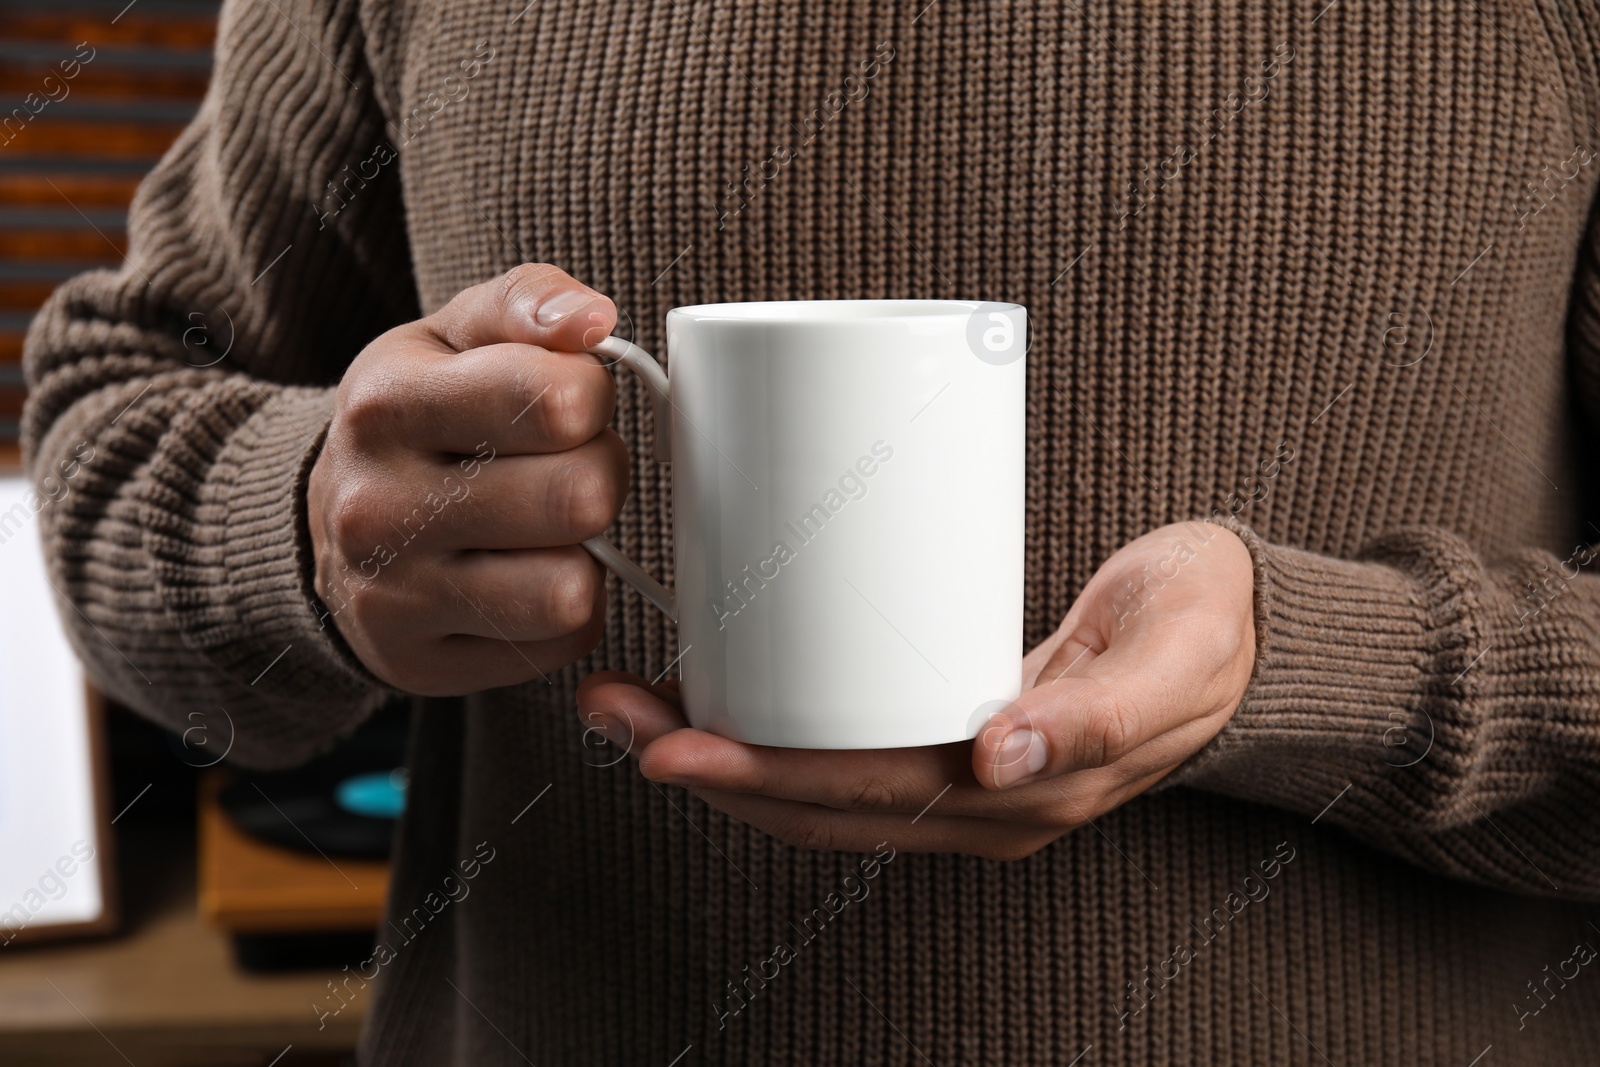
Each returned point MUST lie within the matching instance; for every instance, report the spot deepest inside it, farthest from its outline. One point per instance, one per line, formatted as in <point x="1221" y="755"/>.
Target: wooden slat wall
<point x="69" y="169"/>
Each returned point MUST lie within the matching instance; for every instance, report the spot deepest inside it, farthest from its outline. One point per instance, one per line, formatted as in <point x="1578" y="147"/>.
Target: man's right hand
<point x="468" y="458"/>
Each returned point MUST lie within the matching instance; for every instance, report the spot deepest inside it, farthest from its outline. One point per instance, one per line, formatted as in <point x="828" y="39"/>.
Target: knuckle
<point x="1108" y="728"/>
<point x="567" y="413"/>
<point x="1064" y="816"/>
<point x="875" y="792"/>
<point x="588" y="500"/>
<point x="810" y="832"/>
<point x="1227" y="640"/>
<point x="572" y="597"/>
<point x="751" y="778"/>
<point x="352" y="519"/>
<point x="1211" y="641"/>
<point x="368" y="406"/>
<point x="523" y="286"/>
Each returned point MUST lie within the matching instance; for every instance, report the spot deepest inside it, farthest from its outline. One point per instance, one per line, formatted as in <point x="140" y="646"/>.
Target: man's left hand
<point x="1149" y="664"/>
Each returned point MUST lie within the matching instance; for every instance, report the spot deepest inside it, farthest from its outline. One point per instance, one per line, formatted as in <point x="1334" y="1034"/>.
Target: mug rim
<point x="798" y="312"/>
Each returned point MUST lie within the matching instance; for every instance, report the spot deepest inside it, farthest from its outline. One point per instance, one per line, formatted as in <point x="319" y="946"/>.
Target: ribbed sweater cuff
<point x="1341" y="648"/>
<point x="236" y="570"/>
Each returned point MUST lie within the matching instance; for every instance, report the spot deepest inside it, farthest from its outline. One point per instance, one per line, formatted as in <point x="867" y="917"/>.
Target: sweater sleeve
<point x="176" y="405"/>
<point x="1439" y="708"/>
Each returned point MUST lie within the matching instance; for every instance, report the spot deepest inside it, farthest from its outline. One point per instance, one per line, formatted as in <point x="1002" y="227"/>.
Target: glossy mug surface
<point x="848" y="498"/>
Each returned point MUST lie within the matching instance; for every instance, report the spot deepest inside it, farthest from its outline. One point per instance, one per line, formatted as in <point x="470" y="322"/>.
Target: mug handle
<point x="649" y="371"/>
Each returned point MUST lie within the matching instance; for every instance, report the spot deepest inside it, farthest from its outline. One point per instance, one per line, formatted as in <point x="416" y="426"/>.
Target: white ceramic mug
<point x="848" y="498"/>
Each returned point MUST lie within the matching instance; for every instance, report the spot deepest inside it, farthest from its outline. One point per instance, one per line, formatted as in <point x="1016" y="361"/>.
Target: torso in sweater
<point x="1346" y="246"/>
<point x="1241" y="234"/>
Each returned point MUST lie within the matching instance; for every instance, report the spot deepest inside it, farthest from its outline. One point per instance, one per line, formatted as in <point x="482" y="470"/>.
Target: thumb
<point x="532" y="304"/>
<point x="1092" y="707"/>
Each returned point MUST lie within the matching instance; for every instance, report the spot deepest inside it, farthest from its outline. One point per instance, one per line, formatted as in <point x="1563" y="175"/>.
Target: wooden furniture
<point x="248" y="886"/>
<point x="167" y="993"/>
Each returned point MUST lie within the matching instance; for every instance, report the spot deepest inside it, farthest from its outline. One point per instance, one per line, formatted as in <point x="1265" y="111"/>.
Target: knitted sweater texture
<point x="1334" y="275"/>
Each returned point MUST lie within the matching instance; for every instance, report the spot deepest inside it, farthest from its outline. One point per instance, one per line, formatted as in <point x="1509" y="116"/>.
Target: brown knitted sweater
<point x="1336" y="273"/>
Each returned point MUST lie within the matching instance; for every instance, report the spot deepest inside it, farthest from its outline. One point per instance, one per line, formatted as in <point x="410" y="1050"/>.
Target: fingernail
<point x="563" y="304"/>
<point x="1022" y="754"/>
<point x="609" y="728"/>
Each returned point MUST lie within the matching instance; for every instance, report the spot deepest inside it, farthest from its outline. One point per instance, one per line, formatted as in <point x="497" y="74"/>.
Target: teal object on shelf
<point x="378" y="796"/>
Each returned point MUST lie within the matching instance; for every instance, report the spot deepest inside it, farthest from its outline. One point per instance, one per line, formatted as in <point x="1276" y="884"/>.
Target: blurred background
<point x="71" y="156"/>
<point x="234" y="911"/>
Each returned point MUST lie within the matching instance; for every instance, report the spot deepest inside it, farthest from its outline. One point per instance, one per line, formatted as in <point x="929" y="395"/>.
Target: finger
<point x="890" y="780"/>
<point x="1039" y="657"/>
<point x="912" y="782"/>
<point x="530" y="304"/>
<point x="518" y="502"/>
<point x="819" y="828"/>
<point x="1073" y="653"/>
<point x="423" y="509"/>
<point x="475" y="664"/>
<point x="1047" y="652"/>
<point x="499" y="399"/>
<point x="523" y="595"/>
<point x="457" y="664"/>
<point x="1142" y="686"/>
<point x="627" y="711"/>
